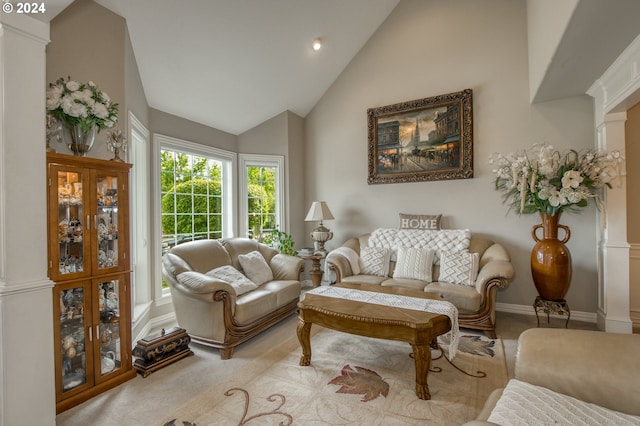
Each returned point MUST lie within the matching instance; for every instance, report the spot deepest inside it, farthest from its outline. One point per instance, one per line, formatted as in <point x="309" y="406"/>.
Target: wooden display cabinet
<point x="88" y="218"/>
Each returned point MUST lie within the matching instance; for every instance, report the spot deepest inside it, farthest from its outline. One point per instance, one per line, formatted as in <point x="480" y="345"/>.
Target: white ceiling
<point x="597" y="33"/>
<point x="233" y="64"/>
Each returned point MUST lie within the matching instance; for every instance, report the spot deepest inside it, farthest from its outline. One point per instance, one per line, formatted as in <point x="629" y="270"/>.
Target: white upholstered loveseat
<point x="569" y="377"/>
<point x="212" y="298"/>
<point x="475" y="299"/>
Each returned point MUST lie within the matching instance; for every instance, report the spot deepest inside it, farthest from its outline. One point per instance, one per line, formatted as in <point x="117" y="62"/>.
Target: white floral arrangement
<point x="545" y="180"/>
<point x="80" y="104"/>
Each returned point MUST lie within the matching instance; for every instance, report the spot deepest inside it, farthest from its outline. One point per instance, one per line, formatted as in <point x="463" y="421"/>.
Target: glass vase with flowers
<point x="83" y="109"/>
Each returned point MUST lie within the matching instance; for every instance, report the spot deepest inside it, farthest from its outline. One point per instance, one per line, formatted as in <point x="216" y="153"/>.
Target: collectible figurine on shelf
<point x="116" y="142"/>
<point x="54" y="129"/>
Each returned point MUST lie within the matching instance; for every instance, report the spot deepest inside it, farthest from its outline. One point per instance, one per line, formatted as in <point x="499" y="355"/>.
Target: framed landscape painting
<point x="421" y="140"/>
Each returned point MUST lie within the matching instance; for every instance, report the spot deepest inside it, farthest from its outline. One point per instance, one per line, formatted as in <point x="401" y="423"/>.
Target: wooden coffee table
<point x="418" y="328"/>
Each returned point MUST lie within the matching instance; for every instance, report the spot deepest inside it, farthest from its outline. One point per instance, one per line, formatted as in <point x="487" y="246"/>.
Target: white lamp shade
<point x="318" y="211"/>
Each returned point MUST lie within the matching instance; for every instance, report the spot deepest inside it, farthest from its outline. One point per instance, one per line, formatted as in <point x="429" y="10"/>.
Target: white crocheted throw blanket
<point x="453" y="240"/>
<point x="406" y="302"/>
<point x="524" y="404"/>
<point x="351" y="256"/>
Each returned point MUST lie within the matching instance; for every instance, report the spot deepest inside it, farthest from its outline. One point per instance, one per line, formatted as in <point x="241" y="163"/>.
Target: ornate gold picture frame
<point x="422" y="140"/>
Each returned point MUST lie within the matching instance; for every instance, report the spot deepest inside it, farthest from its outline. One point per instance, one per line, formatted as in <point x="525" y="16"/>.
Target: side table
<point x="316" y="270"/>
<point x="559" y="307"/>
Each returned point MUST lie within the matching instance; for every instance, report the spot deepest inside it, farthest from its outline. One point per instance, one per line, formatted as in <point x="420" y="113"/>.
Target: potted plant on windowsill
<point x="281" y="241"/>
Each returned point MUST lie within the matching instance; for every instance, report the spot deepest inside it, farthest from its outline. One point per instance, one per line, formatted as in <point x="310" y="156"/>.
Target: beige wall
<point x="282" y="135"/>
<point x="547" y="21"/>
<point x="432" y="47"/>
<point x="135" y="97"/>
<point x="418" y="52"/>
<point x="88" y="44"/>
<point x="181" y="128"/>
<point x="297" y="208"/>
<point x="269" y="138"/>
<point x="632" y="148"/>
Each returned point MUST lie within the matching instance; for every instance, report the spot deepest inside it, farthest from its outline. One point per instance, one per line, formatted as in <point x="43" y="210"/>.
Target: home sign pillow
<point x="375" y="261"/>
<point x="256" y="268"/>
<point x="414" y="263"/>
<point x="420" y="221"/>
<point x="459" y="267"/>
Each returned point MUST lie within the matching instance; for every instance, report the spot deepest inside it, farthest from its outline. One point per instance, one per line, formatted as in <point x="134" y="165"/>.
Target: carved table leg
<point x="304" y="333"/>
<point x="316" y="273"/>
<point x="422" y="357"/>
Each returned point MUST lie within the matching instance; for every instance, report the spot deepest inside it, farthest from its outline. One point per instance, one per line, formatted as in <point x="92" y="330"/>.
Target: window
<point x="191" y="191"/>
<point x="261" y="201"/>
<point x="195" y="198"/>
<point x="140" y="260"/>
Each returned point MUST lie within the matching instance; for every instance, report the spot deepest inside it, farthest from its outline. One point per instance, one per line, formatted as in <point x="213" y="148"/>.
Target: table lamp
<point x="319" y="211"/>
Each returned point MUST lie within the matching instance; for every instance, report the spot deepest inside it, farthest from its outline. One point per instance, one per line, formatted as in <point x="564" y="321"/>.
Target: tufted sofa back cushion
<point x="202" y="255"/>
<point x="476" y="245"/>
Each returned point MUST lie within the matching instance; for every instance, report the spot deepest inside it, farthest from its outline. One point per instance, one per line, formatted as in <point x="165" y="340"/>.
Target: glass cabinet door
<point x="109" y="255"/>
<point x="109" y="331"/>
<point x="70" y="247"/>
<point x="73" y="335"/>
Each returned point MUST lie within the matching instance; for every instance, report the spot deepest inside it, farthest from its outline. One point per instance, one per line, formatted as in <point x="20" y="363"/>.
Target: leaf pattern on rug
<point x="472" y="344"/>
<point x="361" y="381"/>
<point x="184" y="423"/>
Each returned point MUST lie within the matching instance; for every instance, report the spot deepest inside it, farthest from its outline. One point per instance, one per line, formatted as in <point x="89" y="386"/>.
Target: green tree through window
<point x="191" y="189"/>
<point x="261" y="200"/>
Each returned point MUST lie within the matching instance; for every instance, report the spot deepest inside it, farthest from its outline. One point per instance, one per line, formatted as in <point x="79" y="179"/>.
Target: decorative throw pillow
<point x="459" y="267"/>
<point x="226" y="273"/>
<point x="414" y="263"/>
<point x="231" y="275"/>
<point x="420" y="221"/>
<point x="197" y="282"/>
<point x="256" y="268"/>
<point x="375" y="261"/>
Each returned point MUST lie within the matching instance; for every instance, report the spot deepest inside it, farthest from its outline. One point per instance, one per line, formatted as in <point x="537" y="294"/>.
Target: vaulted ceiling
<point x="233" y="64"/>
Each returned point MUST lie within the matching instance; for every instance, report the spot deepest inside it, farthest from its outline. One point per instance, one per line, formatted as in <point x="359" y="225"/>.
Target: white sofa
<point x="214" y="311"/>
<point x="569" y="377"/>
<point x="475" y="302"/>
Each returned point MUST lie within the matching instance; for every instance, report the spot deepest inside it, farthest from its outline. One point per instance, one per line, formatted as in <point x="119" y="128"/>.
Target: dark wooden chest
<point x="156" y="351"/>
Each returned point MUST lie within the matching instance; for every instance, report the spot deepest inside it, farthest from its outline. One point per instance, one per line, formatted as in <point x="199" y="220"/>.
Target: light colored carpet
<point x="150" y="400"/>
<point x="352" y="380"/>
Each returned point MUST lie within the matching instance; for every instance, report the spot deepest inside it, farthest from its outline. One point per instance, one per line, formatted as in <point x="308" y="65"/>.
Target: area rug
<point x="352" y="380"/>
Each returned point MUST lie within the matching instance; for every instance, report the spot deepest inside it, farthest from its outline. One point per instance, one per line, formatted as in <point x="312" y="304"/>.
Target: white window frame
<point x="258" y="160"/>
<point x="140" y="259"/>
<point x="229" y="171"/>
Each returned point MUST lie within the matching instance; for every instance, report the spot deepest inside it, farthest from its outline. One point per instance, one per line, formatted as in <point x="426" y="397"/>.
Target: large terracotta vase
<point x="550" y="259"/>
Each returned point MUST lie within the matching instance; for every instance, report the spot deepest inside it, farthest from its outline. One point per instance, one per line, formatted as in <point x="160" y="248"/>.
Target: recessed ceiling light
<point x="317" y="44"/>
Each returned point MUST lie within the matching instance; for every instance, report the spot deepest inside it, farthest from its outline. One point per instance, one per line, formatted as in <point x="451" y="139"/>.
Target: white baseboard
<point x="528" y="310"/>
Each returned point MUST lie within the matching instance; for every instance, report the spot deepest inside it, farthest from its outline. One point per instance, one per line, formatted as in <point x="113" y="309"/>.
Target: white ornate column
<point x="27" y="380"/>
<point x="617" y="90"/>
<point x="613" y="248"/>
